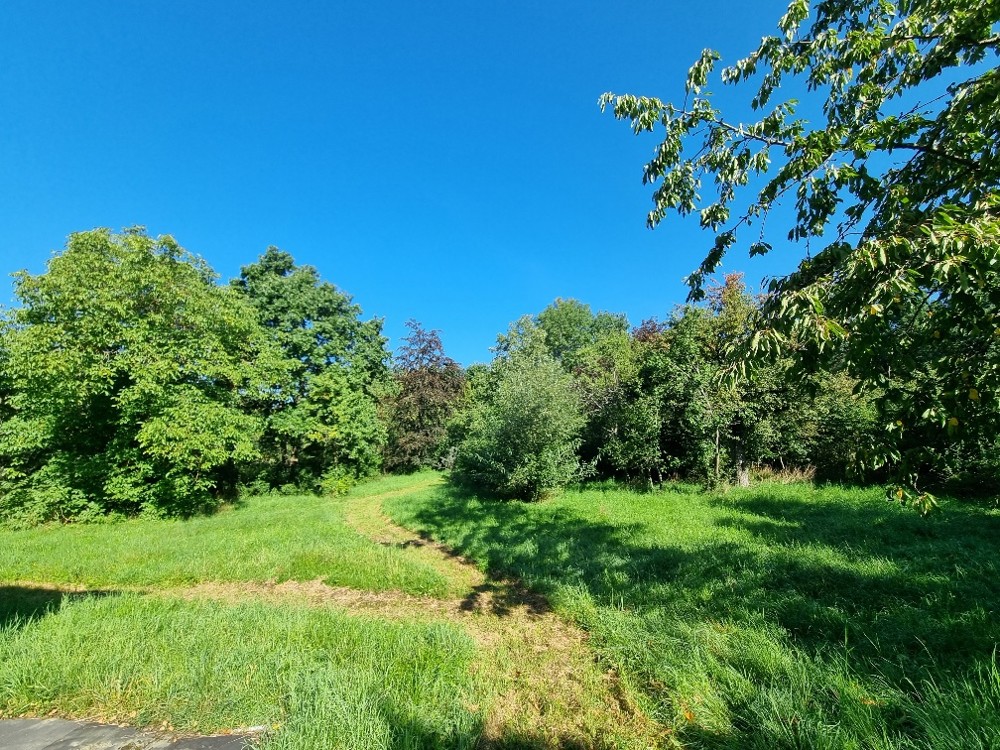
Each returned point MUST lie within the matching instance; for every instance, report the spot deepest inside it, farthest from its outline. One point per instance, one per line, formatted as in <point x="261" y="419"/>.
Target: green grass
<point x="779" y="617"/>
<point x="321" y="678"/>
<point x="263" y="539"/>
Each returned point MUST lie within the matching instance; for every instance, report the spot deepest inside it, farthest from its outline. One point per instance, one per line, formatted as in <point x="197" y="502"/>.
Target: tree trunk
<point x="717" y="457"/>
<point x="742" y="470"/>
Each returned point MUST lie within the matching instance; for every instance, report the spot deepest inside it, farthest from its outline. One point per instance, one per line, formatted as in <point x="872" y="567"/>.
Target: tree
<point x="900" y="170"/>
<point x="570" y="325"/>
<point x="315" y="323"/>
<point x="430" y="387"/>
<point x="129" y="370"/>
<point x="622" y="435"/>
<point x="661" y="401"/>
<point x="324" y="419"/>
<point x="697" y="407"/>
<point x="522" y="441"/>
<point x="346" y="434"/>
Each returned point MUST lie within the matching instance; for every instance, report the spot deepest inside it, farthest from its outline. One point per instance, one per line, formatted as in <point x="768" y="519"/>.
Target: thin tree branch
<point x="965" y="162"/>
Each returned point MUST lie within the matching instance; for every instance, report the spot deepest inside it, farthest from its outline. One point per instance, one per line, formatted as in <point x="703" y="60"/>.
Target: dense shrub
<point x="522" y="440"/>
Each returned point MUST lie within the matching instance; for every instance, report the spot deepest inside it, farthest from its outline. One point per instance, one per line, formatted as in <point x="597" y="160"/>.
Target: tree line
<point x="891" y="196"/>
<point x="133" y="382"/>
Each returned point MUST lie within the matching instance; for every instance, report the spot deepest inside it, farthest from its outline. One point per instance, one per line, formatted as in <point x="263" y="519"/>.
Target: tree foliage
<point x="315" y="323"/>
<point x="430" y="386"/>
<point x="127" y="372"/>
<point x="893" y="190"/>
<point x="659" y="402"/>
<point x="522" y="439"/>
<point x="570" y="325"/>
<point x="131" y="382"/>
<point x="324" y="419"/>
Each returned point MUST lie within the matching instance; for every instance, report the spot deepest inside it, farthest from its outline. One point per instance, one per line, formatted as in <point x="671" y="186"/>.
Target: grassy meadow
<point x="783" y="616"/>
<point x="272" y="538"/>
<point x="95" y="621"/>
<point x="318" y="679"/>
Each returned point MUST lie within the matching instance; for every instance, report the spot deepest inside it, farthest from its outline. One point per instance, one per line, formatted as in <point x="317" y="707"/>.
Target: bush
<point x="522" y="440"/>
<point x="42" y="497"/>
<point x="336" y="481"/>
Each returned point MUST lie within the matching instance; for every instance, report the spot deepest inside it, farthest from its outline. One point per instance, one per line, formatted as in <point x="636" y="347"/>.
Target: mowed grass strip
<point x="778" y="617"/>
<point x="319" y="678"/>
<point x="262" y="539"/>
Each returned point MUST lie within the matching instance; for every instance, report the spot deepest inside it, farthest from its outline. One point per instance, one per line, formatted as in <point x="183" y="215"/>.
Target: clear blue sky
<point x="444" y="161"/>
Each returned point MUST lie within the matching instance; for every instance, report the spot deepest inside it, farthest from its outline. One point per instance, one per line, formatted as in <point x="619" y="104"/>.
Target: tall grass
<point x="784" y="616"/>
<point x="321" y="679"/>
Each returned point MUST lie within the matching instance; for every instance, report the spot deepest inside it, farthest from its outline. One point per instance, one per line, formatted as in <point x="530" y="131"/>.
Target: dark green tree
<point x="697" y="406"/>
<point x="622" y="434"/>
<point x="315" y="323"/>
<point x="324" y="421"/>
<point x="671" y="400"/>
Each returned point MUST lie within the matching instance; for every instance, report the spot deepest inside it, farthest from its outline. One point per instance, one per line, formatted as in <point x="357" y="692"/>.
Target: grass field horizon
<point x="783" y="616"/>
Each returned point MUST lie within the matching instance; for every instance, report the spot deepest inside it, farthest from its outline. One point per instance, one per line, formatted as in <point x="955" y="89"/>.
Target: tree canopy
<point x="324" y="419"/>
<point x="132" y="370"/>
<point x="429" y="388"/>
<point x="315" y="323"/>
<point x="893" y="191"/>
<point x="570" y="325"/>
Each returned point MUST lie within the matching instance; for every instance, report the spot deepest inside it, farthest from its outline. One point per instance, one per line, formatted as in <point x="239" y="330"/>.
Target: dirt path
<point x="550" y="691"/>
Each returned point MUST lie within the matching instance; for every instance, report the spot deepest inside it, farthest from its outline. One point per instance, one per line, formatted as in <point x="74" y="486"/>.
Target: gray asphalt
<point x="59" y="734"/>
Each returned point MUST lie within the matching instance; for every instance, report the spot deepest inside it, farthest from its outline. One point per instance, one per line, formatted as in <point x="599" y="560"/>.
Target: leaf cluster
<point x="893" y="191"/>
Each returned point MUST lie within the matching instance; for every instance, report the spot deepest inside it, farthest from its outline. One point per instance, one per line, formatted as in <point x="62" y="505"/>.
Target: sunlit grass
<point x="318" y="678"/>
<point x="782" y="616"/>
<point x="778" y="617"/>
<point x="263" y="539"/>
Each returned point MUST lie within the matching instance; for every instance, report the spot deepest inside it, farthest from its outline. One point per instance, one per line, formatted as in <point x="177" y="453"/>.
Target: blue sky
<point x="443" y="161"/>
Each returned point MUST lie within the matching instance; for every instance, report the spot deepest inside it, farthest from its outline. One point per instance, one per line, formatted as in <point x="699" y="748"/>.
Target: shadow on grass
<point x="795" y="559"/>
<point x="20" y="605"/>
<point x="897" y="597"/>
<point x="878" y="527"/>
<point x="408" y="731"/>
<point x="502" y="598"/>
<point x="911" y="583"/>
